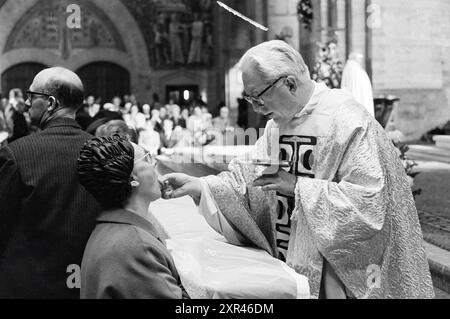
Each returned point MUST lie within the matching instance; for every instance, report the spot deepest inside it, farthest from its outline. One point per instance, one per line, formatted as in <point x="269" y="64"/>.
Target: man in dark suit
<point x="46" y="216"/>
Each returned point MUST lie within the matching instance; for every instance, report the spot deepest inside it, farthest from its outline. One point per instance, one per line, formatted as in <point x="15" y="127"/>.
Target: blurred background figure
<point x="149" y="139"/>
<point x="182" y="139"/>
<point x="156" y="104"/>
<point x="205" y="110"/>
<point x="168" y="142"/>
<point x="200" y="127"/>
<point x="20" y="125"/>
<point x="170" y="106"/>
<point x="177" y="118"/>
<point x="9" y="107"/>
<point x="110" y="107"/>
<point x="195" y="121"/>
<point x="4" y="103"/>
<point x="356" y="80"/>
<point x="109" y="111"/>
<point x="126" y="99"/>
<point x="222" y="122"/>
<point x="15" y="95"/>
<point x="221" y="125"/>
<point x="117" y="127"/>
<point x="146" y="111"/>
<point x="185" y="115"/>
<point x="86" y="115"/>
<point x="126" y="110"/>
<point x="133" y="100"/>
<point x="4" y="131"/>
<point x="156" y="121"/>
<point x="137" y="119"/>
<point x="163" y="113"/>
<point x="93" y="110"/>
<point x="117" y="101"/>
<point x="207" y="121"/>
<point x="90" y="100"/>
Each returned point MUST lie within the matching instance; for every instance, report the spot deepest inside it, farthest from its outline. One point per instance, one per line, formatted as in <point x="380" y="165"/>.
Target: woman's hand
<point x="179" y="185"/>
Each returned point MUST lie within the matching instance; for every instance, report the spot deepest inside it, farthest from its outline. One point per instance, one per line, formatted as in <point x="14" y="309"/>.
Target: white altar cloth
<point x="211" y="268"/>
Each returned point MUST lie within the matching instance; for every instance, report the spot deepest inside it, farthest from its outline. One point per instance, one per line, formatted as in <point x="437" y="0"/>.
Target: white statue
<point x="356" y="80"/>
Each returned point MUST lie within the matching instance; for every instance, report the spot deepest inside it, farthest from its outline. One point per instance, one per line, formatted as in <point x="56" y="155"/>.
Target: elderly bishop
<point x="342" y="213"/>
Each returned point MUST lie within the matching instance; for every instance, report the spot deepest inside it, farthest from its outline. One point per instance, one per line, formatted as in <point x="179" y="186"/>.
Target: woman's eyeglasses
<point x="149" y="158"/>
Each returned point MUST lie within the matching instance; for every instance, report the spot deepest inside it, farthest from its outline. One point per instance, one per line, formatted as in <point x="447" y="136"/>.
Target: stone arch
<point x="104" y="79"/>
<point x="134" y="57"/>
<point x="40" y="27"/>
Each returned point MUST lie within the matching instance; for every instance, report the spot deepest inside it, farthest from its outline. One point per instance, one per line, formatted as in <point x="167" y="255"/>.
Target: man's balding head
<point x="62" y="83"/>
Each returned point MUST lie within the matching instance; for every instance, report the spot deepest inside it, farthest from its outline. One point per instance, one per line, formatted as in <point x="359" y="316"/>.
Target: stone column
<point x="358" y="27"/>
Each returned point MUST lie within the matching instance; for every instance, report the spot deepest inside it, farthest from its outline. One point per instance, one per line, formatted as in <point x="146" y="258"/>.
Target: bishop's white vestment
<point x="353" y="209"/>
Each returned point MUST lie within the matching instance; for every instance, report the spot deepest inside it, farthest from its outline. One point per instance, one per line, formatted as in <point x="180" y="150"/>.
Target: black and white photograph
<point x="225" y="155"/>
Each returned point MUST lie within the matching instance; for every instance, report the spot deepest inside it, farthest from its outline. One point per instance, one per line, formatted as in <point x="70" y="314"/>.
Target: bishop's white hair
<point x="274" y="59"/>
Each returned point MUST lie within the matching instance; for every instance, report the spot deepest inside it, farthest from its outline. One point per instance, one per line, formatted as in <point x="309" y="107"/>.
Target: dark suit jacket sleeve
<point x="9" y="195"/>
<point x="145" y="274"/>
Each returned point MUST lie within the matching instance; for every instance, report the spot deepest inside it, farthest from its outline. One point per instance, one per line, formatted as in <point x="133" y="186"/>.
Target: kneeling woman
<point x="124" y="257"/>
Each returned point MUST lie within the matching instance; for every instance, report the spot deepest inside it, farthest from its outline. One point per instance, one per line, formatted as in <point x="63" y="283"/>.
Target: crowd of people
<point x="155" y="127"/>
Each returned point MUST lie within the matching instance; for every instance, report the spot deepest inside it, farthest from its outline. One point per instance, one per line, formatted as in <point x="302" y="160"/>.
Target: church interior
<point x="147" y="58"/>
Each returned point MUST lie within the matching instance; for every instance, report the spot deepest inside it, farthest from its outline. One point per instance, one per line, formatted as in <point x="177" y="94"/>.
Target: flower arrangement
<point x="328" y="67"/>
<point x="305" y="13"/>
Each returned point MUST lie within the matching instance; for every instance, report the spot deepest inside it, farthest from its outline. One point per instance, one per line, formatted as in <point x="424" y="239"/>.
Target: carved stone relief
<point x="44" y="26"/>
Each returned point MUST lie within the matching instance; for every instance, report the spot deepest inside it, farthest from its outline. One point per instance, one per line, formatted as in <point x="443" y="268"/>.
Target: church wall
<point x="138" y="62"/>
<point x="237" y="37"/>
<point x="411" y="60"/>
<point x="145" y="77"/>
<point x="165" y="72"/>
<point x="283" y="21"/>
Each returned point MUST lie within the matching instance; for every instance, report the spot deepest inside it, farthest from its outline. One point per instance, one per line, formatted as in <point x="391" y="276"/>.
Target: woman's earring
<point x="134" y="184"/>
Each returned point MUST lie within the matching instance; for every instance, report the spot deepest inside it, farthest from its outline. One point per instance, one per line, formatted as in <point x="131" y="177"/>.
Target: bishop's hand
<point x="178" y="185"/>
<point x="281" y="182"/>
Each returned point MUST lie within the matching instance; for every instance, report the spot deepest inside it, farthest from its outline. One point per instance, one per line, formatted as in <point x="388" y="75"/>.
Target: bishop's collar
<point x="319" y="89"/>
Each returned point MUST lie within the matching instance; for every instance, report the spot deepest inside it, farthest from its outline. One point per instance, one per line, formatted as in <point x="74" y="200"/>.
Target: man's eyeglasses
<point x="148" y="158"/>
<point x="31" y="93"/>
<point x="257" y="99"/>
